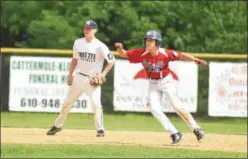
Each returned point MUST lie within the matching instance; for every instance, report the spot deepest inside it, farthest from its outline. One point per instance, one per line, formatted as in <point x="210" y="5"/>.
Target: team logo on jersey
<point x="153" y="67"/>
<point x="160" y="64"/>
<point x="86" y="56"/>
<point x="147" y="64"/>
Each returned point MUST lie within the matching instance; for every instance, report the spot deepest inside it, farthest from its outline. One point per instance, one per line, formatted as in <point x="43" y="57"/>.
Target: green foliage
<point x="51" y="26"/>
<point x="190" y="26"/>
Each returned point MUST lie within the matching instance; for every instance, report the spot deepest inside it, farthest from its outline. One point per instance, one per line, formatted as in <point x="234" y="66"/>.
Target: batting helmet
<point x="153" y="34"/>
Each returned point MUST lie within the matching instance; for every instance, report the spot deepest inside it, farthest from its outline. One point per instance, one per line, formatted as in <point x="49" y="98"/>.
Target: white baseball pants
<point x="79" y="86"/>
<point x="166" y="86"/>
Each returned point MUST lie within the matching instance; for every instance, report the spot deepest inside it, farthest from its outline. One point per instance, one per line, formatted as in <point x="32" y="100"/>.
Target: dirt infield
<point x="213" y="142"/>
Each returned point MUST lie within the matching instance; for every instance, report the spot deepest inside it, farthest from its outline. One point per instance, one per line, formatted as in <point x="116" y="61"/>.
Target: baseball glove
<point x="97" y="80"/>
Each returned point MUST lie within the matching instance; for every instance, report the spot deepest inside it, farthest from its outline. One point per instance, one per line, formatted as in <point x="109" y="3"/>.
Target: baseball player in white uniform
<point x="88" y="57"/>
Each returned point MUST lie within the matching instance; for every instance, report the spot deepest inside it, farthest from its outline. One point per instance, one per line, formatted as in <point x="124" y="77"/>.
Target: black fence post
<point x="4" y="89"/>
<point x="1" y="80"/>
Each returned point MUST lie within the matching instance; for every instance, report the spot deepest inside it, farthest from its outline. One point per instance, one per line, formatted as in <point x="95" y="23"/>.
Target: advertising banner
<point x="227" y="89"/>
<point x="38" y="84"/>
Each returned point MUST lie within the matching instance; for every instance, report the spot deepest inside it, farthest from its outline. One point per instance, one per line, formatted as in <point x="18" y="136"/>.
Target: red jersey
<point x="155" y="66"/>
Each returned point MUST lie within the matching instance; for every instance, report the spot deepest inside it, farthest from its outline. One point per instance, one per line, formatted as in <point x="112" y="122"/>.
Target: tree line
<point x="189" y="26"/>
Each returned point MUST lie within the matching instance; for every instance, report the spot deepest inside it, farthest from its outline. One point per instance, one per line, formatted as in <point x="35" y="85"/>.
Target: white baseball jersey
<point x="91" y="55"/>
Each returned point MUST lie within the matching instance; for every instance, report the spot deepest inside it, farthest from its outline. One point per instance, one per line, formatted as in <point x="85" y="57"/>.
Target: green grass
<point x="107" y="151"/>
<point x="118" y="121"/>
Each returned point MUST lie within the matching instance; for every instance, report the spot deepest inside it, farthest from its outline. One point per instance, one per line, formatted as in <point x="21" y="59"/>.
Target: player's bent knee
<point x="66" y="106"/>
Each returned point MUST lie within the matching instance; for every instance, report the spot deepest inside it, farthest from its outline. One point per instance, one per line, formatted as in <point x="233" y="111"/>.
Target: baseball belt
<point x="83" y="74"/>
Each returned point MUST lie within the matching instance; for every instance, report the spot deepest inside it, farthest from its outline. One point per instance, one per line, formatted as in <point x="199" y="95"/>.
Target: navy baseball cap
<point x="91" y="24"/>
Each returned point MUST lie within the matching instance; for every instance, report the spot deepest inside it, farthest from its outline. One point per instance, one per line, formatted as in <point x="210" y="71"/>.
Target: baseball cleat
<point x="199" y="133"/>
<point x="53" y="130"/>
<point x="176" y="138"/>
<point x="100" y="133"/>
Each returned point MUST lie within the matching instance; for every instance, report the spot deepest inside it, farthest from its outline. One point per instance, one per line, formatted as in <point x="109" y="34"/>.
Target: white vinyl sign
<point x="227" y="89"/>
<point x="38" y="84"/>
<point x="131" y="89"/>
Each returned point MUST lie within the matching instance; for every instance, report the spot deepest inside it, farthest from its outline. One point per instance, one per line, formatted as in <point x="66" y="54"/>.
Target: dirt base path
<point x="213" y="142"/>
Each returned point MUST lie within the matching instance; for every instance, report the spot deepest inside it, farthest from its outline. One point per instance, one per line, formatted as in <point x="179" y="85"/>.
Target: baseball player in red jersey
<point x="162" y="81"/>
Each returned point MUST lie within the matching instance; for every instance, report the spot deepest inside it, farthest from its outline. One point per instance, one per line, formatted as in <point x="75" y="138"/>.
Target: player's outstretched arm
<point x="120" y="50"/>
<point x="189" y="57"/>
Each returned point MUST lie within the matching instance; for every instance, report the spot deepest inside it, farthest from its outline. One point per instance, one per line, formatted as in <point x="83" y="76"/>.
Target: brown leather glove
<point x="97" y="80"/>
